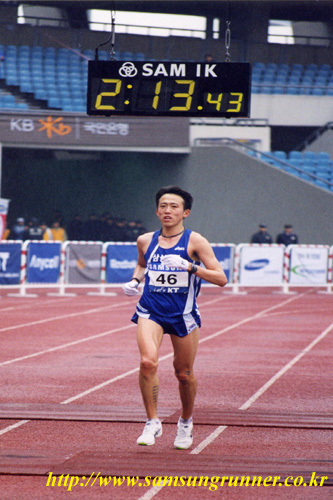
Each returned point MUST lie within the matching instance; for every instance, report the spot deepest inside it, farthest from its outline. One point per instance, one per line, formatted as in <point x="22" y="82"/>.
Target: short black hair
<point x="187" y="197"/>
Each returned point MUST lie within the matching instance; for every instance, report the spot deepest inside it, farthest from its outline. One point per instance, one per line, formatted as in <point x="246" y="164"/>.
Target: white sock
<point x="186" y="420"/>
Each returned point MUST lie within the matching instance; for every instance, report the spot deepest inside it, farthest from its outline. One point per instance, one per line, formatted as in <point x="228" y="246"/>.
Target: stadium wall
<point x="233" y="192"/>
<point x="243" y="48"/>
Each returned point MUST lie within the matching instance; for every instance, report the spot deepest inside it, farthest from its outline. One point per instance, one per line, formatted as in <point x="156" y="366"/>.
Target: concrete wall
<point x="232" y="192"/>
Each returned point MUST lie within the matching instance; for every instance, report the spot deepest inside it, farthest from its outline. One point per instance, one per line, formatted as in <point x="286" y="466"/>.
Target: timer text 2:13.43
<point x="135" y="88"/>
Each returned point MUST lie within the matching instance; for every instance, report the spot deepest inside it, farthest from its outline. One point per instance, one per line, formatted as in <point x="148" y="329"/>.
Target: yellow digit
<point x="100" y="96"/>
<point x="157" y="94"/>
<point x="218" y="102"/>
<point x="238" y="103"/>
<point x="187" y="96"/>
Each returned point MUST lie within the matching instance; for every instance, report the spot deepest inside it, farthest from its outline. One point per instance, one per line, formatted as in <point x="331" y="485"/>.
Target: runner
<point x="169" y="261"/>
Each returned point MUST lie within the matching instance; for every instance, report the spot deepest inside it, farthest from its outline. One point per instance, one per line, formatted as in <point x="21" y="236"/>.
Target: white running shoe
<point x="152" y="429"/>
<point x="184" y="436"/>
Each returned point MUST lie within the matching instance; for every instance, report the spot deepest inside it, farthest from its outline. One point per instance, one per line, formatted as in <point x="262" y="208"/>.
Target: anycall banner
<point x="3" y="215"/>
<point x="308" y="265"/>
<point x="43" y="262"/>
<point x="121" y="260"/>
<point x="261" y="265"/>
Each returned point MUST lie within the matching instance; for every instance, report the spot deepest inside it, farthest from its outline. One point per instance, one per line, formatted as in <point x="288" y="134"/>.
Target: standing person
<point x="19" y="230"/>
<point x="287" y="237"/>
<point x="262" y="236"/>
<point x="169" y="261"/>
<point x="58" y="232"/>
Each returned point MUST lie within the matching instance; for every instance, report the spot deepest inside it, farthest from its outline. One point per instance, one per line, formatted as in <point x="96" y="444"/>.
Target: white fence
<point x="81" y="264"/>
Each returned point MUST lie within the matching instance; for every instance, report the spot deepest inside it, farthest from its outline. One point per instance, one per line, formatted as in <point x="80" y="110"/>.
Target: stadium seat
<point x="295" y="155"/>
<point x="293" y="91"/>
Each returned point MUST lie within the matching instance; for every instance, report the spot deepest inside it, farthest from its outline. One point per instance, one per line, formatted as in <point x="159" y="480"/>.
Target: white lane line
<point x="63" y="346"/>
<point x="264" y="388"/>
<point x="64" y="316"/>
<point x="13" y="426"/>
<point x="93" y="389"/>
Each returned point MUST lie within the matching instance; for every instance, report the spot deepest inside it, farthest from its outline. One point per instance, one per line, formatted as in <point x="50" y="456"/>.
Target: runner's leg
<point x="185" y="349"/>
<point x="149" y="337"/>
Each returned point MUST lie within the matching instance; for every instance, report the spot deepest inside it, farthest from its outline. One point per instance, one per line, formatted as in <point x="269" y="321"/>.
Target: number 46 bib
<point x="162" y="281"/>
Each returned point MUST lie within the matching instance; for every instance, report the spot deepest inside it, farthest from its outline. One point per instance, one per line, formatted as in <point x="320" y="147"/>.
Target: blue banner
<point x="225" y="256"/>
<point x="10" y="263"/>
<point x="43" y="262"/>
<point x="120" y="262"/>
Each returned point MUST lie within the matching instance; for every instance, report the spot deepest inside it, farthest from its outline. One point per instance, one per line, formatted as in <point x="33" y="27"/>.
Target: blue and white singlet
<point x="168" y="292"/>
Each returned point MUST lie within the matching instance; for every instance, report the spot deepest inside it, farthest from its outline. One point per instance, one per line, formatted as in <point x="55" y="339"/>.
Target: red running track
<point x="70" y="402"/>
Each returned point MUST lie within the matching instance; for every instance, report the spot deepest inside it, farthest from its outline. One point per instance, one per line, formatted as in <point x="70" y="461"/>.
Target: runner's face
<point x="170" y="210"/>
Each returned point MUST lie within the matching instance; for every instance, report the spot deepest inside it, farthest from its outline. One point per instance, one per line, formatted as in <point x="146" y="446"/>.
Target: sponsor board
<point x="10" y="263"/>
<point x="43" y="262"/>
<point x="308" y="265"/>
<point x="261" y="265"/>
<point x="120" y="262"/>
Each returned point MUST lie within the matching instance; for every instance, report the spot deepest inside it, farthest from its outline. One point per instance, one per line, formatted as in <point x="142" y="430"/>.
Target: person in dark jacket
<point x="288" y="237"/>
<point x="262" y="236"/>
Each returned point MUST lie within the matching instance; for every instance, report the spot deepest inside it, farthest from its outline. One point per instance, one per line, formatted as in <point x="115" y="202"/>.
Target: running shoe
<point x="153" y="429"/>
<point x="184" y="436"/>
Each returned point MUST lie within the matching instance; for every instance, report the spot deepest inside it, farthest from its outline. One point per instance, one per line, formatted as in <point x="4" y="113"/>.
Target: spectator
<point x="120" y="230"/>
<point x="103" y="226"/>
<point x="134" y="230"/>
<point x="47" y="233"/>
<point x="262" y="236"/>
<point x="19" y="230"/>
<point x="110" y="230"/>
<point x="75" y="229"/>
<point x="58" y="232"/>
<point x="92" y="229"/>
<point x="34" y="232"/>
<point x="287" y="237"/>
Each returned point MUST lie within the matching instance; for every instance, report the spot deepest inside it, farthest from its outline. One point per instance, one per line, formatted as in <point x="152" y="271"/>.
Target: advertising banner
<point x="3" y="215"/>
<point x="56" y="129"/>
<point x="10" y="263"/>
<point x="83" y="263"/>
<point x="261" y="265"/>
<point x="43" y="262"/>
<point x="225" y="256"/>
<point x="120" y="262"/>
<point x="308" y="265"/>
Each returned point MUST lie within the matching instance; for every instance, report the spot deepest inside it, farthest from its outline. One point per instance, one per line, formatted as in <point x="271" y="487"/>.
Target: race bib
<point x="162" y="281"/>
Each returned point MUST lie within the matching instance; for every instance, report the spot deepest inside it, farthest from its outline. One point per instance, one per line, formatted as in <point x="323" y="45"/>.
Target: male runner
<point x="169" y="260"/>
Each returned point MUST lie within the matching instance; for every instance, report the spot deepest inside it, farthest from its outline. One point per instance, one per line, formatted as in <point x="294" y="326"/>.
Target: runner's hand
<point x="175" y="261"/>
<point x="131" y="288"/>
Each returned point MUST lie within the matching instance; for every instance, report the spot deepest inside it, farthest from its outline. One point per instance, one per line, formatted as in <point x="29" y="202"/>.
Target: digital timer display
<point x="136" y="88"/>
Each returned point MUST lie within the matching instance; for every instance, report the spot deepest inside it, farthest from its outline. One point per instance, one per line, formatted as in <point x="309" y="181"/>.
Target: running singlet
<point x="167" y="291"/>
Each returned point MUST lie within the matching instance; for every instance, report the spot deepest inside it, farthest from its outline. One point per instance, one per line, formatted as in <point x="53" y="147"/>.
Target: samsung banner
<point x="43" y="262"/>
<point x="261" y="265"/>
<point x="121" y="260"/>
<point x="83" y="263"/>
<point x="308" y="264"/>
<point x="10" y="263"/>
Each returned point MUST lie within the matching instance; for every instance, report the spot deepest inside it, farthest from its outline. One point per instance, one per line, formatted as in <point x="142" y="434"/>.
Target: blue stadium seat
<point x="54" y="102"/>
<point x="295" y="155"/>
<point x="278" y="90"/>
<point x="317" y="91"/>
<point x="323" y="155"/>
<point x="293" y="91"/>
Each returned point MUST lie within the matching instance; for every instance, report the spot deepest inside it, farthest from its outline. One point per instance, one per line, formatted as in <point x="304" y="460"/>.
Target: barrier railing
<point x="100" y="266"/>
